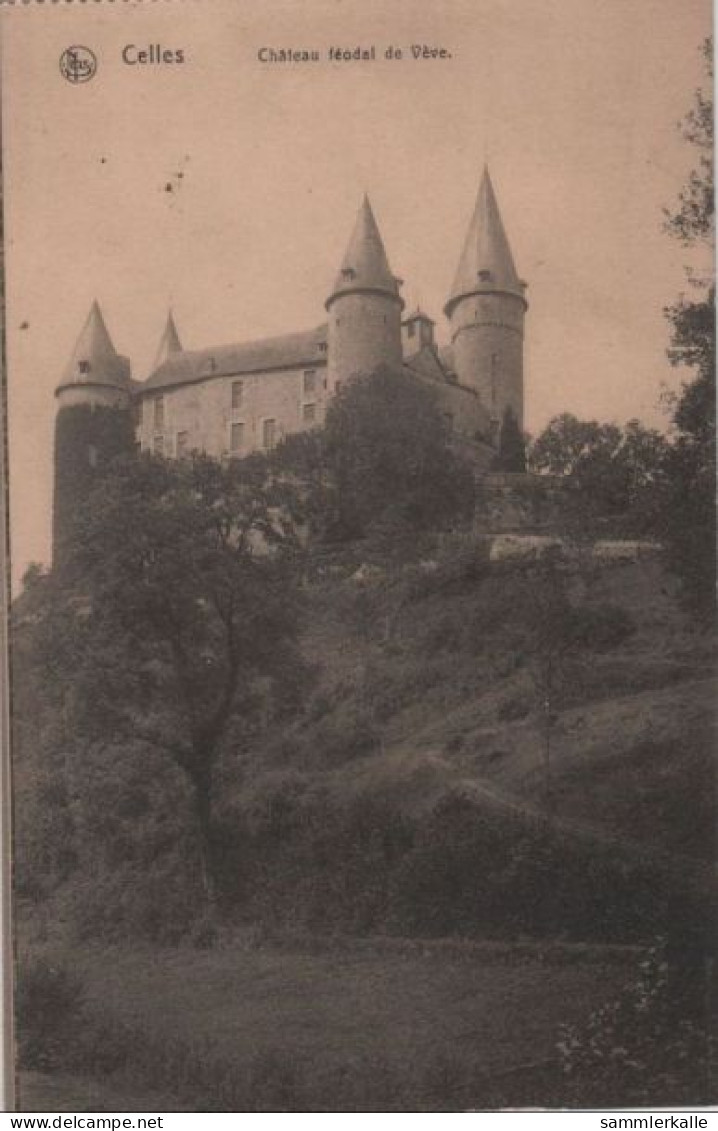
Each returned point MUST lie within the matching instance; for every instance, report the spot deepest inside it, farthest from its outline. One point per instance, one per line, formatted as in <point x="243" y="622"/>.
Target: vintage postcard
<point x="361" y="444"/>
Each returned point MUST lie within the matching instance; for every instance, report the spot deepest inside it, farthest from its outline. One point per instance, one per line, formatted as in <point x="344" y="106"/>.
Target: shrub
<point x="513" y="708"/>
<point x="644" y="1048"/>
<point x="388" y="452"/>
<point x="343" y="736"/>
<point x="604" y="626"/>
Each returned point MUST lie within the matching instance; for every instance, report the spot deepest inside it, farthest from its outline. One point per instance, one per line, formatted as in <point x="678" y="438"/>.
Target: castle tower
<point x="417" y="332"/>
<point x="169" y="342"/>
<point x="93" y="423"/>
<point x="364" y="307"/>
<point x="486" y="312"/>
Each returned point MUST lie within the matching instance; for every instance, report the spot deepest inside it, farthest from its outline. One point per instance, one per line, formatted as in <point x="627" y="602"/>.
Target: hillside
<point x="404" y="787"/>
<point x="418" y="696"/>
<point x="394" y="892"/>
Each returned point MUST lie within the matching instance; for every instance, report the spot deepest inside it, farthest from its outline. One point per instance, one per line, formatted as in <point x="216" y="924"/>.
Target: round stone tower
<point x="364" y="307"/>
<point x="486" y="313"/>
<point x="93" y="423"/>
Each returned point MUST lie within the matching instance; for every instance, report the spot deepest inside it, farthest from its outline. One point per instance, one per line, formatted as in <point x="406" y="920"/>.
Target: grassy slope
<point x="352" y="1004"/>
<point x="632" y="757"/>
<point x="633" y="741"/>
<point x="363" y="1020"/>
<point x="357" y="1028"/>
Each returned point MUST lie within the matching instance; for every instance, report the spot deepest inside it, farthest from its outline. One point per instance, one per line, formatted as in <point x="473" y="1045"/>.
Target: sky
<point x="574" y="104"/>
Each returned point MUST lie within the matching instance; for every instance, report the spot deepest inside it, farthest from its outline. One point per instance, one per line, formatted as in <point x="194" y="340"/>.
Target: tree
<point x="512" y="449"/>
<point x="693" y="219"/>
<point x="614" y="471"/>
<point x="300" y="460"/>
<point x="177" y="613"/>
<point x="686" y="519"/>
<point x="551" y="625"/>
<point x="390" y="459"/>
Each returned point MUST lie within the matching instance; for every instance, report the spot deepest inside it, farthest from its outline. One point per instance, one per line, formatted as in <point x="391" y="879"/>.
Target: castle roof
<point x="486" y="262"/>
<point x="426" y="363"/>
<point x="169" y="342"/>
<point x="287" y="351"/>
<point x="365" y="265"/>
<point x="94" y="360"/>
<point x="437" y="364"/>
<point x="417" y="315"/>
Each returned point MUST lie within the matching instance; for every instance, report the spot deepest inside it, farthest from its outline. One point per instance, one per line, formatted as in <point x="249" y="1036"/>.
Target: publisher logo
<point x="78" y="64"/>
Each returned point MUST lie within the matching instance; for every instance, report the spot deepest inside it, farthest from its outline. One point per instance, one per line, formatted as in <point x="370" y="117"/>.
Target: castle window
<point x="237" y="393"/>
<point x="158" y="445"/>
<point x="269" y="433"/>
<point x="309" y="381"/>
<point x="236" y="438"/>
<point x="411" y="329"/>
<point x="309" y="413"/>
<point x="84" y="366"/>
<point x="485" y="276"/>
<point x="322" y="347"/>
<point x="182" y="444"/>
<point x="348" y="273"/>
<point x="159" y="413"/>
<point x="92" y="455"/>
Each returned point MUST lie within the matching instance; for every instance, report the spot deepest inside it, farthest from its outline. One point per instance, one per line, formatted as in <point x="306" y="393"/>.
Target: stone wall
<point x="200" y="416"/>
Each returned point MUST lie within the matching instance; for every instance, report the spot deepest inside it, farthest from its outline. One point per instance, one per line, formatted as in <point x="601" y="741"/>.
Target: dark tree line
<point x="661" y="486"/>
<point x="689" y="511"/>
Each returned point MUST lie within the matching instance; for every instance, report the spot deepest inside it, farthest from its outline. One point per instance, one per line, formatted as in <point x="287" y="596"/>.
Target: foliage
<point x="614" y="471"/>
<point x="201" y="1072"/>
<point x="686" y="518"/>
<point x="693" y="219"/>
<point x="301" y="461"/>
<point x="512" y="448"/>
<point x="643" y="1048"/>
<point x="172" y="629"/>
<point x="307" y="858"/>
<point x="387" y="460"/>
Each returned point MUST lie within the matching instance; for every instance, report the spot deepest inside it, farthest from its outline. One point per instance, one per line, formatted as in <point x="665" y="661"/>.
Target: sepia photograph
<point x="360" y="446"/>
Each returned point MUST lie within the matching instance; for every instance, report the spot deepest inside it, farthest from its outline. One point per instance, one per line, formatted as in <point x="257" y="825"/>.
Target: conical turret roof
<point x="486" y="263"/>
<point x="169" y="342"/>
<point x="365" y="265"/>
<point x="94" y="360"/>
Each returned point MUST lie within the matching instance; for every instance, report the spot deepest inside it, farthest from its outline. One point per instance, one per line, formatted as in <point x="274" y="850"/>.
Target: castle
<point x="230" y="400"/>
